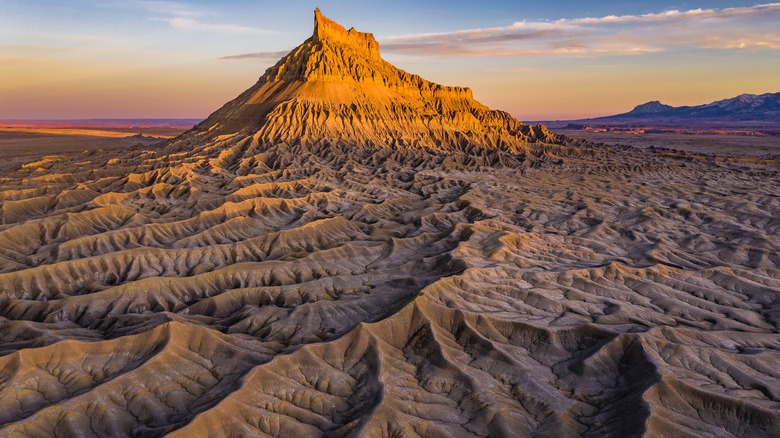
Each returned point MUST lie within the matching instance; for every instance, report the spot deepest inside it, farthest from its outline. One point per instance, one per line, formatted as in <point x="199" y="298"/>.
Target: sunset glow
<point x="87" y="59"/>
<point x="250" y="218"/>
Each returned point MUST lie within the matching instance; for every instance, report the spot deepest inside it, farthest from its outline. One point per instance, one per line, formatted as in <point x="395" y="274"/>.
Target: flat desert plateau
<point x="347" y="249"/>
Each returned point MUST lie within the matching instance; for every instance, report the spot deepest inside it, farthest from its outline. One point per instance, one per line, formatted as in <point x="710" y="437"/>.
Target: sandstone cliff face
<point x="326" y="29"/>
<point x="336" y="87"/>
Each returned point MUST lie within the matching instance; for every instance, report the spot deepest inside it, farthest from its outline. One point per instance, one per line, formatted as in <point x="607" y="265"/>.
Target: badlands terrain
<point x="347" y="249"/>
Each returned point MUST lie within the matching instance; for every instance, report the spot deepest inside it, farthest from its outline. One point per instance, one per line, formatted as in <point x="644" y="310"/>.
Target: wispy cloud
<point x="676" y="15"/>
<point x="266" y="56"/>
<point x="186" y="17"/>
<point x="190" y="24"/>
<point x="752" y="27"/>
<point x="168" y="8"/>
<point x="515" y="70"/>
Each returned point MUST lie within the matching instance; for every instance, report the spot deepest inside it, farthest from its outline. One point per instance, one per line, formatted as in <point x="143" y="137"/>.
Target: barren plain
<point x="697" y="143"/>
<point x="349" y="250"/>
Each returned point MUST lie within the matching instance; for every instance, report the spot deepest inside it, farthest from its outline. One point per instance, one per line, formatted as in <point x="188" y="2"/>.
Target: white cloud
<point x="194" y="25"/>
<point x="265" y="56"/>
<point x="186" y="17"/>
<point x="743" y="28"/>
<point x="173" y="8"/>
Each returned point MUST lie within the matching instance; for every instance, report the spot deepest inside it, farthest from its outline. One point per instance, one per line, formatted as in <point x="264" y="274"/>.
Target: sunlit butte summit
<point x="339" y="89"/>
<point x="535" y="60"/>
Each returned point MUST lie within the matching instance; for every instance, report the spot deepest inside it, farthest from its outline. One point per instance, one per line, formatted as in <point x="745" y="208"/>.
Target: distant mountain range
<point x="746" y="110"/>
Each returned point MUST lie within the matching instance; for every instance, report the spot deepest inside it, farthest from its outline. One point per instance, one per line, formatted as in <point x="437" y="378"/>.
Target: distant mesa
<point x="335" y="87"/>
<point x="653" y="107"/>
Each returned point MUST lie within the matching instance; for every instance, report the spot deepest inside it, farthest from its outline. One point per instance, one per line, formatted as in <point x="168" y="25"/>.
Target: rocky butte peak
<point x="651" y="107"/>
<point x="336" y="88"/>
<point x="326" y="29"/>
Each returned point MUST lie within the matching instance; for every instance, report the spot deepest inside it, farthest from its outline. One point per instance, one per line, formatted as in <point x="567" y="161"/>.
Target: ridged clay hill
<point x="348" y="250"/>
<point x="336" y="87"/>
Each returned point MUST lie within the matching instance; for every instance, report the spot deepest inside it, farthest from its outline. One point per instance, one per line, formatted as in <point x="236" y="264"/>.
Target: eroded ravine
<point x="500" y="282"/>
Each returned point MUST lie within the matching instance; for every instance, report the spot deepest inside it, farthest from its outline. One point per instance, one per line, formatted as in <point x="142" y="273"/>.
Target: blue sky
<point x="535" y="59"/>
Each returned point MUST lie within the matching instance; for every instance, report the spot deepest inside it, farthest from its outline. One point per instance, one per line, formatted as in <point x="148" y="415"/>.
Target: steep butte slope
<point x="336" y="87"/>
<point x="224" y="285"/>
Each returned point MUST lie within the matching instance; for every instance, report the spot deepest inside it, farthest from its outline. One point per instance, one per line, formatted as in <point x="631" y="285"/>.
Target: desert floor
<point x="19" y="145"/>
<point x="235" y="288"/>
<point x="703" y="143"/>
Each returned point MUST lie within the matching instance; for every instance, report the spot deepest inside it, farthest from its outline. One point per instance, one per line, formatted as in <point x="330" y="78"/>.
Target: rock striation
<point x="347" y="250"/>
<point x="336" y="87"/>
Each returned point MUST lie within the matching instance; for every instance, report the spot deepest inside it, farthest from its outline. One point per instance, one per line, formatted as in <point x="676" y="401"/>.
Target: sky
<point x="538" y="60"/>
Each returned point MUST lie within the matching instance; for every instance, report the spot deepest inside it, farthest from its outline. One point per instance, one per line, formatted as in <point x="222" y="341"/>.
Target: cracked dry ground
<point x="235" y="288"/>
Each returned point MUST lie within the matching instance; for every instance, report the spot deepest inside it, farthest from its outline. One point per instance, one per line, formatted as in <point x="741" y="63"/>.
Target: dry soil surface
<point x="231" y="287"/>
<point x="347" y="249"/>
